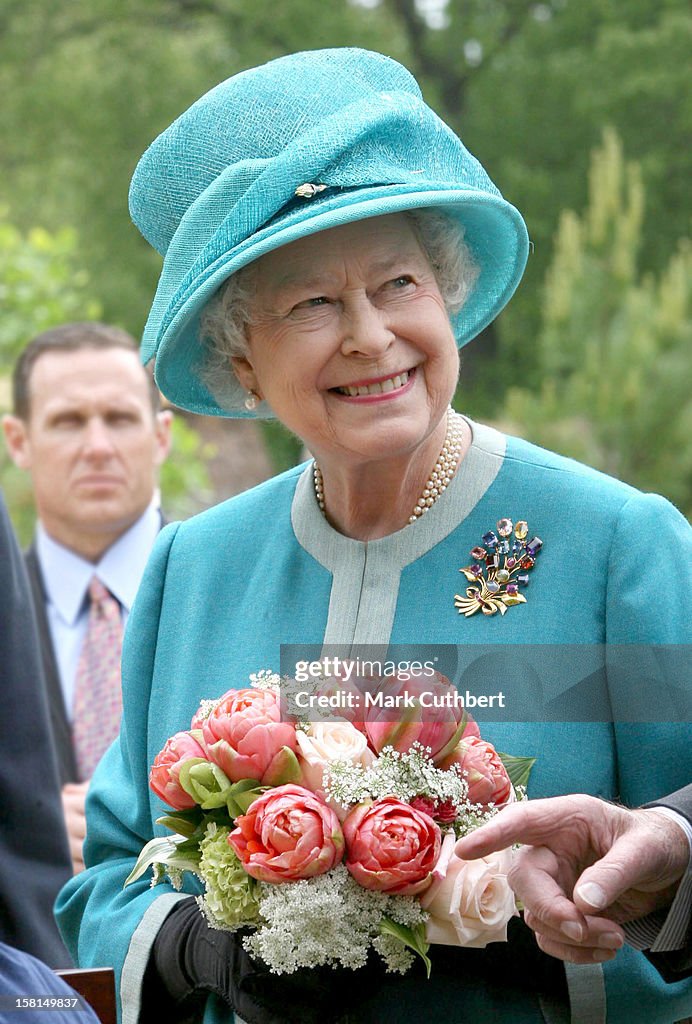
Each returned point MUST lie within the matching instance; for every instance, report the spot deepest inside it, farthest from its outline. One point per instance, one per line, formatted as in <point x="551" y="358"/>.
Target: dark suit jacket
<point x="60" y="726"/>
<point x="677" y="965"/>
<point x="34" y="855"/>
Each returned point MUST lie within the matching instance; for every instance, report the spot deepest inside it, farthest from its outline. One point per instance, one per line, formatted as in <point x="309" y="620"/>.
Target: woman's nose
<point x="366" y="329"/>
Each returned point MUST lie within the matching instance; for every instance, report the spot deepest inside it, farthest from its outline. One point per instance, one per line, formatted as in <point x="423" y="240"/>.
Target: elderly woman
<point x="328" y="244"/>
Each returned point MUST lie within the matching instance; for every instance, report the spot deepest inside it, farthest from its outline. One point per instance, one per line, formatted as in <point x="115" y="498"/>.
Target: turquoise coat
<point x="224" y="590"/>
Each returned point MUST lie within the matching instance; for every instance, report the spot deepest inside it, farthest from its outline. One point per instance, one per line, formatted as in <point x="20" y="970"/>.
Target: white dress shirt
<point x="66" y="577"/>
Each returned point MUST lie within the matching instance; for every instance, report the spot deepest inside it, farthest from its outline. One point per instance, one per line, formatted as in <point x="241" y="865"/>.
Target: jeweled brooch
<point x="500" y="570"/>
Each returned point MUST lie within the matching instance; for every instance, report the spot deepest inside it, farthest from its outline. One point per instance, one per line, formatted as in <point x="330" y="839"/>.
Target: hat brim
<point x="494" y="231"/>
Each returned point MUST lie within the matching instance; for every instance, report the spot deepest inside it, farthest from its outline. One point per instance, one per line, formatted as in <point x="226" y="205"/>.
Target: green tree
<point x="613" y="352"/>
<point x="40" y="285"/>
<point x="87" y="86"/>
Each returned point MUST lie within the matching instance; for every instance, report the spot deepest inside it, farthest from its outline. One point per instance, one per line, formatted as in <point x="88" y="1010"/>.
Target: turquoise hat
<point x="304" y="143"/>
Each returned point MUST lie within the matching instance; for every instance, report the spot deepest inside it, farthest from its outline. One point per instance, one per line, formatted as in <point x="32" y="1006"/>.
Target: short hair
<point x="225" y="318"/>
<point x="73" y="337"/>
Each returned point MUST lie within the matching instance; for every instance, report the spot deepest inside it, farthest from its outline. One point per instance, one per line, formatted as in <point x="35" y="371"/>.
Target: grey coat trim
<point x="139" y="952"/>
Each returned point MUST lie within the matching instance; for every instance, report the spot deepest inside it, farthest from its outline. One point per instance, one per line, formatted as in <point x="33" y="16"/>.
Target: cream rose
<point x="325" y="742"/>
<point x="469" y="901"/>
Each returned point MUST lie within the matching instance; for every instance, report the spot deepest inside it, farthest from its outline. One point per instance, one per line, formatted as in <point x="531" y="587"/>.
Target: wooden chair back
<point x="97" y="986"/>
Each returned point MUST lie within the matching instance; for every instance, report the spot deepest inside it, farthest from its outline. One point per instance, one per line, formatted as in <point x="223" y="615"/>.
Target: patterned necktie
<point x="97" y="697"/>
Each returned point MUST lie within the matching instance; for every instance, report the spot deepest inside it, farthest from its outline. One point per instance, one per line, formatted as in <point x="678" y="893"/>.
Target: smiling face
<point x="92" y="444"/>
<point x="350" y="343"/>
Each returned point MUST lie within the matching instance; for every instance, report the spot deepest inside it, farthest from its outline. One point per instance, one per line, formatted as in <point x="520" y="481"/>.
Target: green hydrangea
<point x="231" y="898"/>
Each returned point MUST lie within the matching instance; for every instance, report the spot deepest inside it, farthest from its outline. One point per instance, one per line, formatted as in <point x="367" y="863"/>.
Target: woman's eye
<point x="313" y="303"/>
<point x="401" y="282"/>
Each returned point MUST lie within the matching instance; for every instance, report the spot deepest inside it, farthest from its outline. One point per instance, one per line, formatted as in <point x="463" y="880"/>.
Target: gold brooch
<point x="308" y="190"/>
<point x="500" y="570"/>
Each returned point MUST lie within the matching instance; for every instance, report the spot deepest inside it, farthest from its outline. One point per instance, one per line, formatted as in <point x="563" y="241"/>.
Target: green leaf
<point x="185" y="823"/>
<point x="163" y="850"/>
<point x="414" y="938"/>
<point x="518" y="768"/>
<point x="184" y="775"/>
<point x="284" y="768"/>
<point x="242" y="794"/>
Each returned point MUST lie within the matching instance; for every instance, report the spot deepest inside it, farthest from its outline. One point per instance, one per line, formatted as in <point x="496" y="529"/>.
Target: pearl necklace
<point x="442" y="472"/>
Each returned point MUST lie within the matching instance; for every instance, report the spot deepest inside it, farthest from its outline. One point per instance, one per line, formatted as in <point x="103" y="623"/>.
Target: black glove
<point x="190" y="960"/>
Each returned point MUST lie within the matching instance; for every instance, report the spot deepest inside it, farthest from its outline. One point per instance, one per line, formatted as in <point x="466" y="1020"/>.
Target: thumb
<point x="616" y="872"/>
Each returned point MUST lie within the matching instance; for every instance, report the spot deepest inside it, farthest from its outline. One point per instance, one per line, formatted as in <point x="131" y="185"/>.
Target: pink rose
<point x="391" y="846"/>
<point x="435" y="720"/>
<point x="245" y="736"/>
<point x="485" y="773"/>
<point x="287" y="834"/>
<point x="164" y="777"/>
<point x="469" y="901"/>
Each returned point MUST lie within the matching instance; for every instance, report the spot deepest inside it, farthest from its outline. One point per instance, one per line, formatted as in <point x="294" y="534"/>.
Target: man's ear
<point x="17" y="441"/>
<point x="163" y="425"/>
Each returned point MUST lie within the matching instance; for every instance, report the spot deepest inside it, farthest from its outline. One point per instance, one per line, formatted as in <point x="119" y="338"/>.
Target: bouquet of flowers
<point x="326" y="839"/>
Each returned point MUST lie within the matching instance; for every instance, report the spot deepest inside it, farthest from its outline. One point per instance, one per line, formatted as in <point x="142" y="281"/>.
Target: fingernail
<point x="610" y="940"/>
<point x="593" y="895"/>
<point x="572" y="930"/>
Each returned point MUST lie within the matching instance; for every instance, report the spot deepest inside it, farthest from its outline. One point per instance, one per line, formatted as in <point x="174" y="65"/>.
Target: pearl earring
<point x="251" y="402"/>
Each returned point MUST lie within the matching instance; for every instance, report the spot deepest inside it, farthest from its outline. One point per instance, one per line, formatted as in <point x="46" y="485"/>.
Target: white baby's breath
<point x="397" y="957"/>
<point x="175" y="876"/>
<point x="327" y="920"/>
<point x="158" y="874"/>
<point x="205" y="708"/>
<point x="404" y="775"/>
<point x="265" y="679"/>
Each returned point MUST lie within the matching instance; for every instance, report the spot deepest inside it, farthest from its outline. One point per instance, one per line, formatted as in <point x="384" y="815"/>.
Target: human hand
<point x="73" y="800"/>
<point x="190" y="958"/>
<point x="590" y="867"/>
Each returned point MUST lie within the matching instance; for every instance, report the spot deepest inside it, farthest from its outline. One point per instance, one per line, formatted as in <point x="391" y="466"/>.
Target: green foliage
<point x="19" y="498"/>
<point x="96" y="82"/>
<point x="185" y="483"/>
<point x="41" y="285"/>
<point x="613" y="352"/>
<point x="536" y="112"/>
<point x="284" y="448"/>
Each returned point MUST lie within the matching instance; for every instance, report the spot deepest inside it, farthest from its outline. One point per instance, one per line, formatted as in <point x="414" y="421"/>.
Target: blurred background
<point x="580" y="110"/>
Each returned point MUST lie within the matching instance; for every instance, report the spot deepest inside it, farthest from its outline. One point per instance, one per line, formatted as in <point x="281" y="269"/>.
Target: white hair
<point x="225" y="318"/>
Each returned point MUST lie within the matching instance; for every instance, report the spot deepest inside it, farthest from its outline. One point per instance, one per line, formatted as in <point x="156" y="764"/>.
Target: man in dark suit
<point x="34" y="854"/>
<point x="88" y="428"/>
<point x="594" y="875"/>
